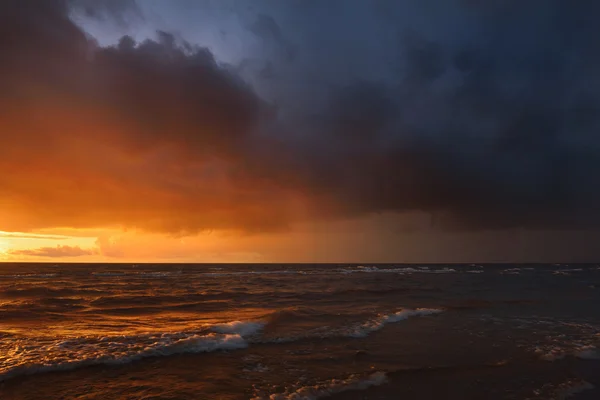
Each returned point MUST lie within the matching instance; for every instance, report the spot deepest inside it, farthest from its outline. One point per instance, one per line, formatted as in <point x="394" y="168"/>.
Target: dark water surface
<point x="299" y="331"/>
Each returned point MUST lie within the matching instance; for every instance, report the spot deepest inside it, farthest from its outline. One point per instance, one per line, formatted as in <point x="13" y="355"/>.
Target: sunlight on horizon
<point x="4" y="248"/>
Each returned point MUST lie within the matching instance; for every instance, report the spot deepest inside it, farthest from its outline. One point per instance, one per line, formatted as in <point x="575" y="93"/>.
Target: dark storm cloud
<point x="266" y="28"/>
<point x="484" y="114"/>
<point x="498" y="128"/>
<point x="117" y="10"/>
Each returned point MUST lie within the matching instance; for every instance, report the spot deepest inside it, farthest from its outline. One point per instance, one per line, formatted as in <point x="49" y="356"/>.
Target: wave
<point x="558" y="339"/>
<point x="245" y="273"/>
<point x="126" y="353"/>
<point x="561" y="273"/>
<point x="326" y="388"/>
<point x="511" y="271"/>
<point x="401" y="270"/>
<point x="103" y="274"/>
<point x="143" y="274"/>
<point x="378" y="323"/>
<point x="567" y="271"/>
<point x="29" y="276"/>
<point x="359" y="330"/>
<point x="585" y="352"/>
<point x="61" y="355"/>
<point x="19" y="357"/>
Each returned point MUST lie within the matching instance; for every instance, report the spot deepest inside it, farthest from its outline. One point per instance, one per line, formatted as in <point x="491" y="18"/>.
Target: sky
<point x="299" y="131"/>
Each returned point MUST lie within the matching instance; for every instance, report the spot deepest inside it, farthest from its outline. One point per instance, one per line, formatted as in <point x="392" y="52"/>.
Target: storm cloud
<point x="490" y="122"/>
<point x="483" y="114"/>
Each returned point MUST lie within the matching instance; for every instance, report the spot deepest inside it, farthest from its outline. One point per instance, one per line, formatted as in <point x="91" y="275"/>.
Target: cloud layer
<point x="59" y="251"/>
<point x="483" y="114"/>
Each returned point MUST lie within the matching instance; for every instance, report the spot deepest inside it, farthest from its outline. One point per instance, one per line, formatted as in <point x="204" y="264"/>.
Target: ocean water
<point x="77" y="331"/>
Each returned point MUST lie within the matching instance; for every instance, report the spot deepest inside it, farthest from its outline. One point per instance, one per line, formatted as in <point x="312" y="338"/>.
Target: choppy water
<point x="299" y="331"/>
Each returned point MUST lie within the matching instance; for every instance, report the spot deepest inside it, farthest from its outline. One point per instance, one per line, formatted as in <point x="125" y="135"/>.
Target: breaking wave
<point x="378" y="323"/>
<point x="358" y="330"/>
<point x="18" y="358"/>
<point x="582" y="351"/>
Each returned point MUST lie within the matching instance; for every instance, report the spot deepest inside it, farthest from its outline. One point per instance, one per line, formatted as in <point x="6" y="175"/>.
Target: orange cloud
<point x="59" y="251"/>
<point x="154" y="135"/>
<point x="21" y="235"/>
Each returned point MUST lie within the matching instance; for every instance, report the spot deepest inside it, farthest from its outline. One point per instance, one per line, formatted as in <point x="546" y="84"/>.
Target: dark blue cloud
<point x="487" y="114"/>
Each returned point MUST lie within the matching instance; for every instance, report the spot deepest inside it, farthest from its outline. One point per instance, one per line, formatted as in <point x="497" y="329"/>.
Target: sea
<point x="282" y="331"/>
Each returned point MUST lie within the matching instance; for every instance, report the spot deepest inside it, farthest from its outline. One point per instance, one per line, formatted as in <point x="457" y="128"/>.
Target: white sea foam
<point x="19" y="357"/>
<point x="57" y="355"/>
<point x="511" y="271"/>
<point x="378" y="323"/>
<point x="561" y="273"/>
<point x="326" y="388"/>
<point x="557" y="352"/>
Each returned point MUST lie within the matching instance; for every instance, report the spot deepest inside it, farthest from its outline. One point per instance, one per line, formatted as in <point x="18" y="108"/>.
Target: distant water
<point x="299" y="331"/>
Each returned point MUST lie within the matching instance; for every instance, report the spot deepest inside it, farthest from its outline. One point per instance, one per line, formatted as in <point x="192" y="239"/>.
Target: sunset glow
<point x="4" y="246"/>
